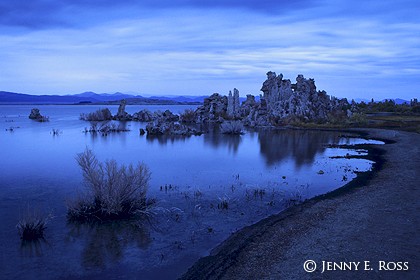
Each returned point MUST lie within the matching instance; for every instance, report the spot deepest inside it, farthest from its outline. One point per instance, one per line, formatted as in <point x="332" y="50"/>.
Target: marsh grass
<point x="297" y="196"/>
<point x="259" y="193"/>
<point x="113" y="192"/>
<point x="232" y="127"/>
<point x="223" y="203"/>
<point x="105" y="127"/>
<point x="56" y="132"/>
<point x="32" y="225"/>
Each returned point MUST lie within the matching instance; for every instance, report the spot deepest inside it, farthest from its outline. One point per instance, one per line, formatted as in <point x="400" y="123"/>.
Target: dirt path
<point x="376" y="222"/>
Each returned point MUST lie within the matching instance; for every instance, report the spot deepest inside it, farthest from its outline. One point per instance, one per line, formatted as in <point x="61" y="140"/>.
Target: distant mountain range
<point x="95" y="98"/>
<point x="114" y="98"/>
<point x="397" y="100"/>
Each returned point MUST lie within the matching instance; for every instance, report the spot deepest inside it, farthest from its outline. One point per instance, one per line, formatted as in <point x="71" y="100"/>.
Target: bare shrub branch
<point x="232" y="127"/>
<point x="113" y="191"/>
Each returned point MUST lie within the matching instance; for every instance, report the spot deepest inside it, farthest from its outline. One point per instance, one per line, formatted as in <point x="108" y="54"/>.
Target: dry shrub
<point x="113" y="192"/>
<point x="98" y="115"/>
<point x="232" y="127"/>
<point x="188" y="116"/>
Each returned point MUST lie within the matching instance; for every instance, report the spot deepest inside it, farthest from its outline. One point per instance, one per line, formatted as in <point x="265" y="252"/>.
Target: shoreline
<point x="372" y="218"/>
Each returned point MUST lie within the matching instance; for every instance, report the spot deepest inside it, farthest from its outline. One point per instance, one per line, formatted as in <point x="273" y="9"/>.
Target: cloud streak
<point x="43" y="14"/>
<point x="190" y="47"/>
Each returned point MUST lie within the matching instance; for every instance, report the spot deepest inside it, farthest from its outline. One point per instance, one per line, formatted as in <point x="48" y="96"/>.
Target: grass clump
<point x="223" y="203"/>
<point x="113" y="192"/>
<point x="55" y="131"/>
<point x="232" y="127"/>
<point x="31" y="226"/>
<point x="105" y="128"/>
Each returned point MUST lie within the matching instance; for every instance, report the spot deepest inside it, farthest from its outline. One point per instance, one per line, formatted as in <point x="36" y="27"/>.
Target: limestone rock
<point x="36" y="115"/>
<point x="230" y="105"/>
<point x="143" y="116"/>
<point x="214" y="106"/>
<point x="236" y="102"/>
<point x="168" y="116"/>
<point x="299" y="100"/>
<point x="122" y="115"/>
<point x="233" y="106"/>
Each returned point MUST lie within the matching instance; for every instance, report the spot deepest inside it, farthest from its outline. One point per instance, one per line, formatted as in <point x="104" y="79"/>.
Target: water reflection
<point x="165" y="139"/>
<point x="217" y="140"/>
<point x="300" y="145"/>
<point x="106" y="242"/>
<point x="107" y="130"/>
<point x="205" y="169"/>
<point x="33" y="248"/>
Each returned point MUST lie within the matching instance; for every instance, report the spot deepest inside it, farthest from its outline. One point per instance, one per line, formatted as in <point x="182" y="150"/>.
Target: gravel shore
<point x="375" y="219"/>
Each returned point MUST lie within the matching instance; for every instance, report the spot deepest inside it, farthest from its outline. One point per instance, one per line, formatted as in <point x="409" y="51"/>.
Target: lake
<point x="257" y="174"/>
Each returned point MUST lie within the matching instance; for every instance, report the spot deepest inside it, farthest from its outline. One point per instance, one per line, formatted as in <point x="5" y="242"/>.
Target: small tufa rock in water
<point x="321" y="172"/>
<point x="142" y="131"/>
<point x="36" y="115"/>
<point x="122" y="115"/>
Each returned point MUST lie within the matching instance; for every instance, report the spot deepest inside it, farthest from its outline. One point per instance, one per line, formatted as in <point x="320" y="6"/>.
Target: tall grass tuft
<point x="105" y="128"/>
<point x="232" y="127"/>
<point x="113" y="192"/>
<point x="32" y="225"/>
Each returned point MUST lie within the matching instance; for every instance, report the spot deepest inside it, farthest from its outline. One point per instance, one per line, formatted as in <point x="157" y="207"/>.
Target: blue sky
<point x="353" y="49"/>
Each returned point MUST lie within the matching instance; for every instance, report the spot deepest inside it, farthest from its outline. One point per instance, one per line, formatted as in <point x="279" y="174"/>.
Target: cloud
<point x="193" y="47"/>
<point x="41" y="14"/>
<point x="46" y="14"/>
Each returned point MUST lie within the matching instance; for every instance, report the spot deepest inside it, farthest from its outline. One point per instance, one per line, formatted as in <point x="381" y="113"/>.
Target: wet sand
<point x="374" y="219"/>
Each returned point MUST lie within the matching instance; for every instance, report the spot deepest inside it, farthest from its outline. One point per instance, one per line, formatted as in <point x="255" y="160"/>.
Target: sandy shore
<point x="373" y="220"/>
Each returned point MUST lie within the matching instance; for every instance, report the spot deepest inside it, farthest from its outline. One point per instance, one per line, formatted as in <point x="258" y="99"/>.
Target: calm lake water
<point x="257" y="174"/>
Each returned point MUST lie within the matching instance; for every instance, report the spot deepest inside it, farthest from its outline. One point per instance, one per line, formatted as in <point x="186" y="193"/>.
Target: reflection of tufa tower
<point x="233" y="103"/>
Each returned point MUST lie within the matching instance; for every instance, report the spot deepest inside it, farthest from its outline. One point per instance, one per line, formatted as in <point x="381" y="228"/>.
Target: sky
<point x="353" y="49"/>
